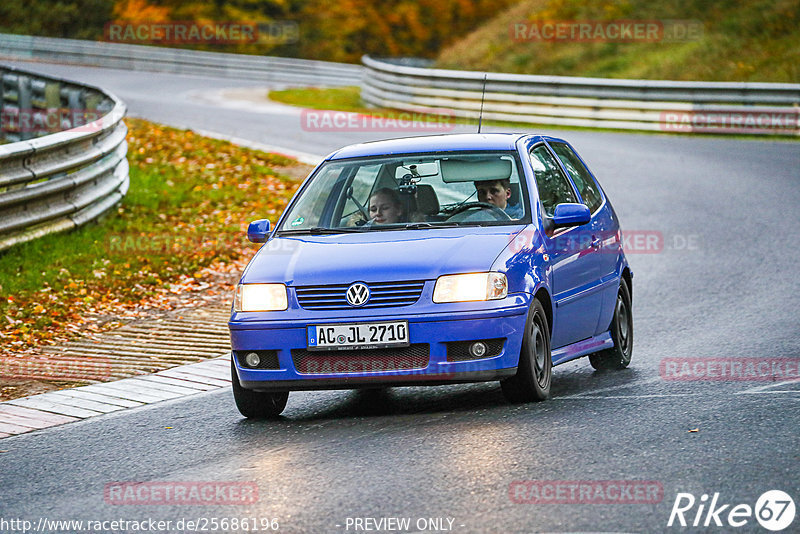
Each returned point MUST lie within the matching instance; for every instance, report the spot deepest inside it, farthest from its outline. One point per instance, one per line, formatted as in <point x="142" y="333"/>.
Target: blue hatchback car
<point x="433" y="260"/>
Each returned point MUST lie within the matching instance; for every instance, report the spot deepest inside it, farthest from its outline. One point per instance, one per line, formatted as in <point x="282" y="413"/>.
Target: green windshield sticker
<point x="298" y="221"/>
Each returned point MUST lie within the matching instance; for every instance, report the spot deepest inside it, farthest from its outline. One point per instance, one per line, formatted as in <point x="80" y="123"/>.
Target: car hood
<point x="378" y="256"/>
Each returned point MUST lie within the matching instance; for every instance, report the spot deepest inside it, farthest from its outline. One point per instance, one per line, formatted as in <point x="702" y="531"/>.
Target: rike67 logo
<point x="774" y="510"/>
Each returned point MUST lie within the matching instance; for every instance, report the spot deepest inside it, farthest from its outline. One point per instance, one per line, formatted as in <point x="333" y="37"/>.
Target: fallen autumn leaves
<point x="177" y="240"/>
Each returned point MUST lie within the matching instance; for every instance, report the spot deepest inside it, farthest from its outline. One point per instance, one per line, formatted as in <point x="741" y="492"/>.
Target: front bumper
<point x="296" y="369"/>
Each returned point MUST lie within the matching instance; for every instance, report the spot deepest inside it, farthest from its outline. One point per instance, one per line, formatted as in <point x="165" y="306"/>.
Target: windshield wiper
<point x="319" y="230"/>
<point x="426" y="225"/>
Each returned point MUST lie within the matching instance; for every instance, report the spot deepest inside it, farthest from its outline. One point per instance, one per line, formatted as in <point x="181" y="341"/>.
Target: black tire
<point x="257" y="404"/>
<point x="535" y="368"/>
<point x="618" y="357"/>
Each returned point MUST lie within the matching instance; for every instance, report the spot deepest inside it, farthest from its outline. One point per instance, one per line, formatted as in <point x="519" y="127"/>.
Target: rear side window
<point x="580" y="176"/>
<point x="553" y="186"/>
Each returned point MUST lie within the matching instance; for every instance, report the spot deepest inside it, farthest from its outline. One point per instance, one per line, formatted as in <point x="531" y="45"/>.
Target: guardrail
<point x="650" y="105"/>
<point x="180" y="61"/>
<point x="57" y="181"/>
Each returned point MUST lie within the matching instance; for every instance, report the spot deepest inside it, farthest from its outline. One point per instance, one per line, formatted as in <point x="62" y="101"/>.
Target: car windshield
<point x="410" y="192"/>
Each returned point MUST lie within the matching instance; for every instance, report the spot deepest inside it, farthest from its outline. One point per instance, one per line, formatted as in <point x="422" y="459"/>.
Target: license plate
<point x="358" y="336"/>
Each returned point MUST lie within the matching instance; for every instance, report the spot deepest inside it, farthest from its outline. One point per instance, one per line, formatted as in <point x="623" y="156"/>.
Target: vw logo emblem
<point x="357" y="294"/>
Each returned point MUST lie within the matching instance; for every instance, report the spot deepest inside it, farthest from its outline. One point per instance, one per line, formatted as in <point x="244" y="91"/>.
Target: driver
<point x="497" y="192"/>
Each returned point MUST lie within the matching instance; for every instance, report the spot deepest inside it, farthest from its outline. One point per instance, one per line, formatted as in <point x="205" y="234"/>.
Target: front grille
<point x="269" y="358"/>
<point x="458" y="351"/>
<point x="415" y="356"/>
<point x="382" y="295"/>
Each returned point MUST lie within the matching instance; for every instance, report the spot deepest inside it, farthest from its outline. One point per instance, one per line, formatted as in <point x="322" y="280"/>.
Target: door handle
<point x="595" y="242"/>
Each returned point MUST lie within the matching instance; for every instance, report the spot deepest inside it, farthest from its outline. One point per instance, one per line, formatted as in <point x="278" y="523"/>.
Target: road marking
<point x="302" y="157"/>
<point x="37" y="412"/>
<point x="655" y="395"/>
<point x="612" y="388"/>
<point x="748" y="392"/>
<point x="765" y="388"/>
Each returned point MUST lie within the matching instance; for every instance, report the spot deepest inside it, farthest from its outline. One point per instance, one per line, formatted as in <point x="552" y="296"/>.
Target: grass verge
<point x="698" y="40"/>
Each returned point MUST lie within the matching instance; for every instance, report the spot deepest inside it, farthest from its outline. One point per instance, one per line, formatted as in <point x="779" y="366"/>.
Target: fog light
<point x="252" y="359"/>
<point x="478" y="349"/>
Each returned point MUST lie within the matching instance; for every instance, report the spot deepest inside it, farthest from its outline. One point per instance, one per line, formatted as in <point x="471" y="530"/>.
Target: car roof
<point x="430" y="143"/>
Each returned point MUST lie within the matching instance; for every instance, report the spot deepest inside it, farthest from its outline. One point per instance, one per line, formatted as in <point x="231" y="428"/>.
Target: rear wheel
<point x="257" y="404"/>
<point x="535" y="369"/>
<point x="618" y="357"/>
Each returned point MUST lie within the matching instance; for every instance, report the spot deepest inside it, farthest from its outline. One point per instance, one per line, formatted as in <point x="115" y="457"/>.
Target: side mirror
<point x="569" y="214"/>
<point x="258" y="231"/>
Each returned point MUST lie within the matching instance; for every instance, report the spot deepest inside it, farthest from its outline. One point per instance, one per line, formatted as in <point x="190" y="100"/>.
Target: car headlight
<point x="470" y="287"/>
<point x="260" y="297"/>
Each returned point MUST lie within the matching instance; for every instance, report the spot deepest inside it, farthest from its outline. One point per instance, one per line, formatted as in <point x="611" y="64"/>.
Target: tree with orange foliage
<point x="140" y="11"/>
<point x="334" y="30"/>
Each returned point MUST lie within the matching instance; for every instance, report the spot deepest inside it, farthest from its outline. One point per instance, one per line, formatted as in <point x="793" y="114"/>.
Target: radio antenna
<point x="483" y="95"/>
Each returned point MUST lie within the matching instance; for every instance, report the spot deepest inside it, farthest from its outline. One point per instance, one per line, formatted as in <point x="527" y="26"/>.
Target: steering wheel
<point x="496" y="212"/>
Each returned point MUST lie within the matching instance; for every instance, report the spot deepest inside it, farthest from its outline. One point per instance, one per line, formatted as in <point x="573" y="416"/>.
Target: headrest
<point x="427" y="201"/>
<point x="514" y="198"/>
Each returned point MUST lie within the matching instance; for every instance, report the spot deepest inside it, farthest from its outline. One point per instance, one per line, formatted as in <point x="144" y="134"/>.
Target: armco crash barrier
<point x="646" y="105"/>
<point x="179" y="60"/>
<point x="64" y="162"/>
<point x="405" y="84"/>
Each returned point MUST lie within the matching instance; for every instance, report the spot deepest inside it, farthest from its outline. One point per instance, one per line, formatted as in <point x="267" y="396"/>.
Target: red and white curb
<point x="27" y="414"/>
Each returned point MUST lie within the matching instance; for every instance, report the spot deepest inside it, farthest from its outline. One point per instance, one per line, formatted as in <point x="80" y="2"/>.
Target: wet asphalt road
<point x="724" y="284"/>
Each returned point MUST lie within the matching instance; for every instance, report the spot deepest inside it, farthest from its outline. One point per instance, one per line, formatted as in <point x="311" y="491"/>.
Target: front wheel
<point x="257" y="404"/>
<point x="618" y="357"/>
<point x="535" y="369"/>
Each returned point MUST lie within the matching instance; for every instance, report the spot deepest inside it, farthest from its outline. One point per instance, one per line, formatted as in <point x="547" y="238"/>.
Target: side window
<point x="554" y="188"/>
<point x="580" y="176"/>
<point x="309" y="208"/>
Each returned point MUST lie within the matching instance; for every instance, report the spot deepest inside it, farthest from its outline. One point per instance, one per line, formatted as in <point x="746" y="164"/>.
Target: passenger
<point x="497" y="192"/>
<point x="385" y="207"/>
